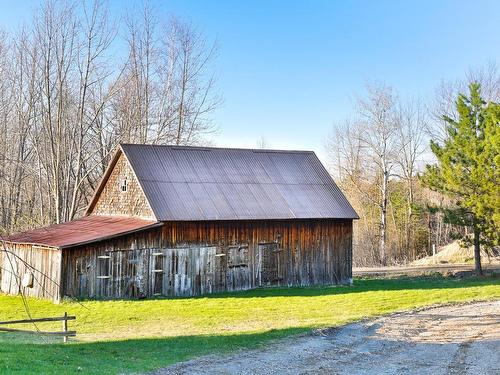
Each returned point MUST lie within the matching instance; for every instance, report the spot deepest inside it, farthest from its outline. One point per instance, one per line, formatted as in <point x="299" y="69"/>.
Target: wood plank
<point x="56" y="319"/>
<point x="68" y="333"/>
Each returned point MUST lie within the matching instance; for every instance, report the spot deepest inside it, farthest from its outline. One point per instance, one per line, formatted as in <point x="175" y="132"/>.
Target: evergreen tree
<point x="468" y="168"/>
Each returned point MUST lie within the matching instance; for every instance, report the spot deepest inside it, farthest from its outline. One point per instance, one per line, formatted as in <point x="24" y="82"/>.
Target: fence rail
<point x="65" y="333"/>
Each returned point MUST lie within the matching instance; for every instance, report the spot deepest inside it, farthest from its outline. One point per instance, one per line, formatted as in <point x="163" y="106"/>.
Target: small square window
<point x="123" y="185"/>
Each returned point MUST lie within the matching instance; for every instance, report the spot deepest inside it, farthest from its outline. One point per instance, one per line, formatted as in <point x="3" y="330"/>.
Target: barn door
<point x="82" y="273"/>
<point x="177" y="265"/>
<point x="186" y="271"/>
<point x="205" y="270"/>
<point x="238" y="270"/>
<point x="269" y="264"/>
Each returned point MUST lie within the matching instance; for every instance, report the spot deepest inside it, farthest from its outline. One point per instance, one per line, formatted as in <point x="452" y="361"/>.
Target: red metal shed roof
<point x="85" y="230"/>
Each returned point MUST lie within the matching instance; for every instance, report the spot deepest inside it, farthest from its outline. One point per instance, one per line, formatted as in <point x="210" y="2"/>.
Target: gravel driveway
<point x="459" y="339"/>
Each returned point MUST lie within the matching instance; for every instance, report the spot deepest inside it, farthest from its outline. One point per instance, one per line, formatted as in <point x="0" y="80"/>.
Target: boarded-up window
<point x="103" y="267"/>
<point x="103" y="275"/>
<point x="238" y="256"/>
<point x="269" y="263"/>
<point x="158" y="272"/>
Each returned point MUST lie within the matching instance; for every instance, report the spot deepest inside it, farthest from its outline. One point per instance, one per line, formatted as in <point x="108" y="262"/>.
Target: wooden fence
<point x="64" y="333"/>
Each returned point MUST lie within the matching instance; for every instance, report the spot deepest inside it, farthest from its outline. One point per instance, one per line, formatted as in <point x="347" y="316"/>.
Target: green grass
<point x="133" y="336"/>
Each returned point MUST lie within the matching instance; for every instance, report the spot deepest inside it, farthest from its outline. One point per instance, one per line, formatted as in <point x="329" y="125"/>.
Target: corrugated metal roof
<point x="85" y="230"/>
<point x="198" y="183"/>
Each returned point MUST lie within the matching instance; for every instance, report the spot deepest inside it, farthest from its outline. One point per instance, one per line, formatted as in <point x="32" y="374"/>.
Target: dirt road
<point x="460" y="339"/>
<point x="465" y="269"/>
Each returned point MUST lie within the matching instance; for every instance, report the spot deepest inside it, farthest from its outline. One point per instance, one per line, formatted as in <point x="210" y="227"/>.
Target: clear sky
<point x="288" y="70"/>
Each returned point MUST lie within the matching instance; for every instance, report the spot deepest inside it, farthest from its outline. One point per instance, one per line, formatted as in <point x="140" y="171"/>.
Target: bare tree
<point x="444" y="102"/>
<point x="366" y="152"/>
<point x="377" y="136"/>
<point x="166" y="94"/>
<point x="262" y="143"/>
<point x="67" y="99"/>
<point x="411" y="145"/>
<point x="348" y="159"/>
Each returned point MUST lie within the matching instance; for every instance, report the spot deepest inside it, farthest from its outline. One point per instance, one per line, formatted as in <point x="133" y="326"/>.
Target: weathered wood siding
<point x="192" y="258"/>
<point x="44" y="263"/>
<point x="113" y="201"/>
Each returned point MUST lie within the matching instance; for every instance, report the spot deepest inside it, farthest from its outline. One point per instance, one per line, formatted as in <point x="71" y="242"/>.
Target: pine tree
<point x="468" y="168"/>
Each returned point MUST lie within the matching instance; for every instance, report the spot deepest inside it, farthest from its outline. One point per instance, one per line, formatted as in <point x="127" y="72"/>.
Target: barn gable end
<point x="112" y="198"/>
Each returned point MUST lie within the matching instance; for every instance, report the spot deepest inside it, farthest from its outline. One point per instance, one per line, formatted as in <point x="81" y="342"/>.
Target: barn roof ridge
<point x="181" y="184"/>
<point x="216" y="148"/>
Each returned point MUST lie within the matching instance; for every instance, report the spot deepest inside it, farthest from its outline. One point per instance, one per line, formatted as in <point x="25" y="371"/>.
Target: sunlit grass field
<point x="137" y="336"/>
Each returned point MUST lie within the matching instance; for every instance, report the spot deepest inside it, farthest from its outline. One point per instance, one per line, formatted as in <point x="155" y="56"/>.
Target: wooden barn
<point x="183" y="221"/>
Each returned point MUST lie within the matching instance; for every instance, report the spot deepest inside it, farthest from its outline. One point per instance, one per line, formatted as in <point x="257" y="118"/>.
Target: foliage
<point x="137" y="336"/>
<point x="467" y="168"/>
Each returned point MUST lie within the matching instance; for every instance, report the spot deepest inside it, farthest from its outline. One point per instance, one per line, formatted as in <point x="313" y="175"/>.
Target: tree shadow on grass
<point x="360" y="285"/>
<point x="126" y="356"/>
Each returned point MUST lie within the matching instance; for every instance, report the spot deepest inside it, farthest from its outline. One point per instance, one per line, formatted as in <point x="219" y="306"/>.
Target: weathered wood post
<point x="65" y="327"/>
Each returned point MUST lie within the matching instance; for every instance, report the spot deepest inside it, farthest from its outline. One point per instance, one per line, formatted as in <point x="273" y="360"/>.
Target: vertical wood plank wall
<point x="44" y="263"/>
<point x="192" y="258"/>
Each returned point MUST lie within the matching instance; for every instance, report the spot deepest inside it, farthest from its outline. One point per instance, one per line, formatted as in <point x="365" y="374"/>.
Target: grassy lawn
<point x="133" y="336"/>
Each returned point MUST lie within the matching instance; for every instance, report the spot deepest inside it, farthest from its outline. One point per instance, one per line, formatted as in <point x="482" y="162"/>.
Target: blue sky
<point x="290" y="70"/>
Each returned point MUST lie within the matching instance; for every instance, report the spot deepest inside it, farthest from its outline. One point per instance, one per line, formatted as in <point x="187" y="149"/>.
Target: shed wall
<point x="44" y="263"/>
<point x="192" y="258"/>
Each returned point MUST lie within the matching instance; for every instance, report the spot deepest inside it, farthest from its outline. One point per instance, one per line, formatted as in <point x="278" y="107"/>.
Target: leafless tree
<point x="444" y="102"/>
<point x="366" y="152"/>
<point x="377" y="136"/>
<point x="411" y="144"/>
<point x="262" y="143"/>
<point x="167" y="94"/>
<point x="67" y="99"/>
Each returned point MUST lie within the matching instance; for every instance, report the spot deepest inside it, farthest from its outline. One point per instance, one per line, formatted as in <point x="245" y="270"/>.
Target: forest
<point x="421" y="172"/>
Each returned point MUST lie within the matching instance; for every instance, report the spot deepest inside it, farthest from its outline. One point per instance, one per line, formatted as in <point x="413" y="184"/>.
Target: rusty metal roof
<point x="203" y="183"/>
<point x="79" y="232"/>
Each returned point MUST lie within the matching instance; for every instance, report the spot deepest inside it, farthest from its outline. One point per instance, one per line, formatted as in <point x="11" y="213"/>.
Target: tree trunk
<point x="477" y="252"/>
<point x="410" y="249"/>
<point x="383" y="220"/>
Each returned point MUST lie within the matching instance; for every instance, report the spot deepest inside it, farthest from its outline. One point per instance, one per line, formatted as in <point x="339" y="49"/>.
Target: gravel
<point x="452" y="339"/>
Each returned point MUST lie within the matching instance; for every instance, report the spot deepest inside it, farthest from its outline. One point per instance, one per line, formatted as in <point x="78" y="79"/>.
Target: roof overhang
<point x="87" y="230"/>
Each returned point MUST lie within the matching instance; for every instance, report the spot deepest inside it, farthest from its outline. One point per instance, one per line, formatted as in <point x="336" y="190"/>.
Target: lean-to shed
<point x="180" y="221"/>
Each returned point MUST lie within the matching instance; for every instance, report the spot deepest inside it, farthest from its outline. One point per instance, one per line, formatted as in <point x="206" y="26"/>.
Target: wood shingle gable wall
<point x="111" y="199"/>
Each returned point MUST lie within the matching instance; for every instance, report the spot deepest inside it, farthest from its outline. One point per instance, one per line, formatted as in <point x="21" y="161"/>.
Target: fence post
<point x="65" y="326"/>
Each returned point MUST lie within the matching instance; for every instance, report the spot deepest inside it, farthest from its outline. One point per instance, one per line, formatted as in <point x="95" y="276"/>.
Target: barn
<point x="184" y="221"/>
